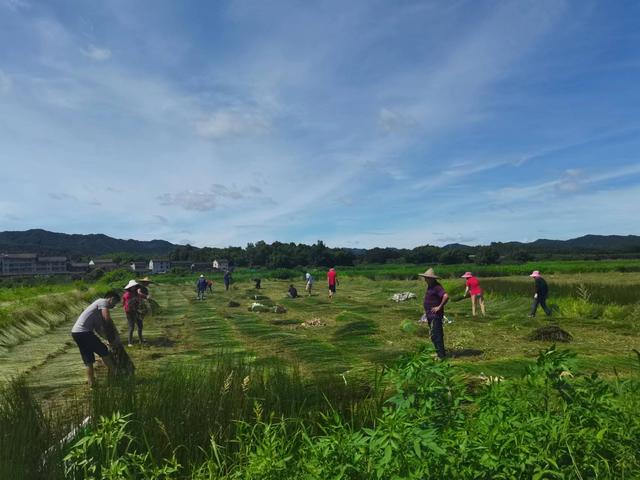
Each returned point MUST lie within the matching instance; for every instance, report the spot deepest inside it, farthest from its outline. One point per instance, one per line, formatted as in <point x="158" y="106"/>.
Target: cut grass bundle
<point x="550" y="333"/>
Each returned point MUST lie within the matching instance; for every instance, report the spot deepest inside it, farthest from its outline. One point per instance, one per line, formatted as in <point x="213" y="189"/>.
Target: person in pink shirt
<point x="473" y="288"/>
<point x="332" y="279"/>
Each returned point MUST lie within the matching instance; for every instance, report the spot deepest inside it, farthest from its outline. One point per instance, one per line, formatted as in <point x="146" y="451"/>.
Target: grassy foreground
<point x="214" y="377"/>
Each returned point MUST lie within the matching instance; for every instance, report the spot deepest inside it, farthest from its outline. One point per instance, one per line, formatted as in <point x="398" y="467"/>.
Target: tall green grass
<point x="545" y="424"/>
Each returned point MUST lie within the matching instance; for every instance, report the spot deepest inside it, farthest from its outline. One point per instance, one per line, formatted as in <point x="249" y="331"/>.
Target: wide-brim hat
<point x="535" y="274"/>
<point x="132" y="283"/>
<point x="429" y="274"/>
<point x="146" y="280"/>
<point x="201" y="276"/>
<point x="467" y="275"/>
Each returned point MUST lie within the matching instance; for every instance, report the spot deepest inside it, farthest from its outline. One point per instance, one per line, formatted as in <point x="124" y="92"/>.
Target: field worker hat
<point x="535" y="274"/>
<point x="467" y="275"/>
<point x="201" y="276"/>
<point x="132" y="283"/>
<point x="146" y="280"/>
<point x="429" y="274"/>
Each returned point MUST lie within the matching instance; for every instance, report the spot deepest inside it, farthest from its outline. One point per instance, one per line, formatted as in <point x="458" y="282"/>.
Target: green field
<point x="347" y="341"/>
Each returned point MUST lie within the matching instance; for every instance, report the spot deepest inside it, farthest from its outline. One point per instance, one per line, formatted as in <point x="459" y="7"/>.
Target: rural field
<point x="224" y="392"/>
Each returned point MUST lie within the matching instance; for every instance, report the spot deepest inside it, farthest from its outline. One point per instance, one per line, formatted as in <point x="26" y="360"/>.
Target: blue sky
<point x="362" y="123"/>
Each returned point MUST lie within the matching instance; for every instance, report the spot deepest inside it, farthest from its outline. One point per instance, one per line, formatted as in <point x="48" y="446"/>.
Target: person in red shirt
<point x="473" y="288"/>
<point x="332" y="279"/>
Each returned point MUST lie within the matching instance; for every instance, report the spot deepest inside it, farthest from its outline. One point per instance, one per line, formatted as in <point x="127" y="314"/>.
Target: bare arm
<point x="110" y="332"/>
<point x="466" y="290"/>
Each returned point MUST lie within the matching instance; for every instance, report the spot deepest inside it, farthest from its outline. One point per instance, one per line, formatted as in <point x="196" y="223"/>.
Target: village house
<point x="159" y="265"/>
<point x="221" y="264"/>
<point x="50" y="265"/>
<point x="105" y="264"/>
<point x="31" y="264"/>
<point x="139" y="267"/>
<point x="78" y="267"/>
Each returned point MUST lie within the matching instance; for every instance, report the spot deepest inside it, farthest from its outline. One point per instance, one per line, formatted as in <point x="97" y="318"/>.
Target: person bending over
<point x="83" y="333"/>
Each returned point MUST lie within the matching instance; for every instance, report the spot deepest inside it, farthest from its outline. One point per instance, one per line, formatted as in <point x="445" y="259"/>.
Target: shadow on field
<point x="356" y="329"/>
<point x="160" y="342"/>
<point x="465" y="352"/>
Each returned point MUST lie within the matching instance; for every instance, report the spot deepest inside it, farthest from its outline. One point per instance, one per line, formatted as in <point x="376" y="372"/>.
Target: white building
<point x="221" y="264"/>
<point x="159" y="265"/>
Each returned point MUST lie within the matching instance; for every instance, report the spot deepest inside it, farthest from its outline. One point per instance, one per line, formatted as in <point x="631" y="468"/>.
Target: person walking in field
<point x="540" y="294"/>
<point x="473" y="288"/>
<point x="227" y="279"/>
<point x="210" y="285"/>
<point x="332" y="280"/>
<point x="201" y="286"/>
<point x="435" y="298"/>
<point x="83" y="333"/>
<point x="134" y="295"/>
<point x="309" y="284"/>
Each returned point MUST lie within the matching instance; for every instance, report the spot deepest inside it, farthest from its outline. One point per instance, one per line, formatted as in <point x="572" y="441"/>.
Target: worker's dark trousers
<point x="542" y="301"/>
<point x="437" y="334"/>
<point x="134" y="320"/>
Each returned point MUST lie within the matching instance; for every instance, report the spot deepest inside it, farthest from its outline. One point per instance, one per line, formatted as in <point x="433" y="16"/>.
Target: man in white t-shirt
<point x="83" y="333"/>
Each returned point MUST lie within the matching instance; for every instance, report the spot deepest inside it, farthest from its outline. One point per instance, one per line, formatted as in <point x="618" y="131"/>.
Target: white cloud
<point x="230" y="123"/>
<point x="96" y="53"/>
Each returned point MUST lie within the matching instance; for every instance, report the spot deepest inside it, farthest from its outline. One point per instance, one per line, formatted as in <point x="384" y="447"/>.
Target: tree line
<point x="290" y="255"/>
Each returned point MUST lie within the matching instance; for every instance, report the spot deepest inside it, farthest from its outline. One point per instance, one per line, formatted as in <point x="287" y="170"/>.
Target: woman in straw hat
<point x="134" y="293"/>
<point x="540" y="295"/>
<point x="473" y="288"/>
<point x="435" y="299"/>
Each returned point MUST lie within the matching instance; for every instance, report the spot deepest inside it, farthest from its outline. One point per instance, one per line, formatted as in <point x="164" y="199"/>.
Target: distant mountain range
<point x="44" y="242"/>
<point x="586" y="244"/>
<point x="51" y="243"/>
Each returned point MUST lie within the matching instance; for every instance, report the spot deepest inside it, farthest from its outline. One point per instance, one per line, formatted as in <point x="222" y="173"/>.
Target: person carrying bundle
<point x="134" y="295"/>
<point x="83" y="333"/>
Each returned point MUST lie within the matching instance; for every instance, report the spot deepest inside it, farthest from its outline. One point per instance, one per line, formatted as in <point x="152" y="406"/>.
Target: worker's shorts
<point x="332" y="288"/>
<point x="89" y="343"/>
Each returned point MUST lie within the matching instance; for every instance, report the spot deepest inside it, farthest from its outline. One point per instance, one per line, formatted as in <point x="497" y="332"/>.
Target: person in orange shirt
<point x="473" y="288"/>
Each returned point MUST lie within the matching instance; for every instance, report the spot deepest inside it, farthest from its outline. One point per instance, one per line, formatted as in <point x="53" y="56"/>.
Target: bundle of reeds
<point x="550" y="333"/>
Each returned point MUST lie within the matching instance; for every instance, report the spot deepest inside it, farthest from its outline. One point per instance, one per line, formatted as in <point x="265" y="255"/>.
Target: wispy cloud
<point x="5" y="83"/>
<point x="190" y="200"/>
<point x="230" y="123"/>
<point x="96" y="53"/>
<point x="16" y="5"/>
<point x="62" y="196"/>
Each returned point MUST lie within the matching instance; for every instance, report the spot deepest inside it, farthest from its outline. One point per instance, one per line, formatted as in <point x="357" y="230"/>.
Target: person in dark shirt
<point x="435" y="299"/>
<point x="227" y="279"/>
<point x="258" y="283"/>
<point x="540" y="295"/>
<point x="293" y="292"/>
